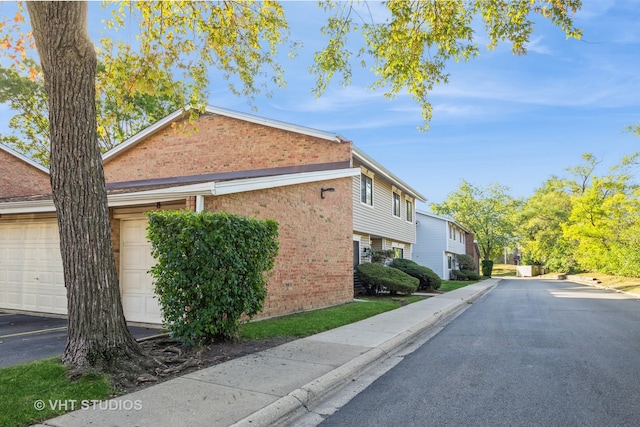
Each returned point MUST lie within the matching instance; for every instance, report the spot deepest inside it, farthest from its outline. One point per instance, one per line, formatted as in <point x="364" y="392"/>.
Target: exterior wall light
<point x="322" y="190"/>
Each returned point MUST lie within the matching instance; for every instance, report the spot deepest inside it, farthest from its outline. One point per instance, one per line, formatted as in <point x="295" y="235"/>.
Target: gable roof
<point x="442" y="218"/>
<point x="177" y="115"/>
<point x="381" y="170"/>
<point x="24" y="159"/>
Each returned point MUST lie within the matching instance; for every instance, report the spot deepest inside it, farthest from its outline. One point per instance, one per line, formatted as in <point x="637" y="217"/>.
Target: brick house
<point x="21" y="176"/>
<point x="303" y="178"/>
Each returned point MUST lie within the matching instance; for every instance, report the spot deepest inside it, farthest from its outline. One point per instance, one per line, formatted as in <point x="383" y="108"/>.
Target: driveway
<point x="24" y="338"/>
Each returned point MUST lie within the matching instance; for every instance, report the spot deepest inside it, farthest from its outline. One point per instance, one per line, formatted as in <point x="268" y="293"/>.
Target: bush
<point x="210" y="270"/>
<point x="487" y="267"/>
<point x="428" y="278"/>
<point x="465" y="275"/>
<point x="381" y="256"/>
<point x="466" y="262"/>
<point x="377" y="276"/>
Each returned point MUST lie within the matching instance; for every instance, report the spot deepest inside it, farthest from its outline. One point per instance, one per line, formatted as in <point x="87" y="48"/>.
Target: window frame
<point x="363" y="190"/>
<point x="396" y="203"/>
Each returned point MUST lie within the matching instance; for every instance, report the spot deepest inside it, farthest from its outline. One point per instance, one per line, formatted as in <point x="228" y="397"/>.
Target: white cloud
<point x="536" y="46"/>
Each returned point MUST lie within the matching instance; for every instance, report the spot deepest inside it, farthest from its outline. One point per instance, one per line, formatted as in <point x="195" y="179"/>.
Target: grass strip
<point x="36" y="391"/>
<point x="452" y="285"/>
<point x="313" y="322"/>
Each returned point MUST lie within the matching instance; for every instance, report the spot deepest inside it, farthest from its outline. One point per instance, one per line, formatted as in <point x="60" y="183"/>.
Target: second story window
<point x="396" y="205"/>
<point x="409" y="211"/>
<point x="366" y="190"/>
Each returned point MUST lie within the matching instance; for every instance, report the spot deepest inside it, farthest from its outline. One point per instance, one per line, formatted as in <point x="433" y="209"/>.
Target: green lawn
<point x="36" y="391"/>
<point x="313" y="322"/>
<point x="452" y="285"/>
<point x="503" y="270"/>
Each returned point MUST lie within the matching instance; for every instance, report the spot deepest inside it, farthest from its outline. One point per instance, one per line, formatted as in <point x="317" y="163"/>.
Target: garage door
<point x="138" y="298"/>
<point x="31" y="276"/>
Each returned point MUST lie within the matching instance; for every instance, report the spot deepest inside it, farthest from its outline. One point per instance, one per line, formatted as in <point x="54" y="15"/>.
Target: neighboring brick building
<point x="305" y="179"/>
<point x="21" y="176"/>
<point x="289" y="165"/>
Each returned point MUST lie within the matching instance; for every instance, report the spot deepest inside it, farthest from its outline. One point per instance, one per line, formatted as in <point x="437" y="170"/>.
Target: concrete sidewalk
<point x="273" y="386"/>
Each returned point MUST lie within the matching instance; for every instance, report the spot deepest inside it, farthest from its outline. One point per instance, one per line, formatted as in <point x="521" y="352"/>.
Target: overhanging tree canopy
<point x="409" y="50"/>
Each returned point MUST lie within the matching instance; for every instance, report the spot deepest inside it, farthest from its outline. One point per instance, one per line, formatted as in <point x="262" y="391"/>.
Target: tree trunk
<point x="97" y="335"/>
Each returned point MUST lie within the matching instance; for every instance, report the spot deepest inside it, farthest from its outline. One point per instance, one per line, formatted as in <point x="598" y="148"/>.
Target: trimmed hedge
<point x="465" y="275"/>
<point x="375" y="276"/>
<point x="465" y="262"/>
<point x="428" y="278"/>
<point x="211" y="269"/>
<point x="487" y="267"/>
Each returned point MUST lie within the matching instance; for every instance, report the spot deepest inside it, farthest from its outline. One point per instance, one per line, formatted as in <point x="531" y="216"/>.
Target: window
<point x="398" y="252"/>
<point x="366" y="190"/>
<point x="409" y="211"/>
<point x="396" y="205"/>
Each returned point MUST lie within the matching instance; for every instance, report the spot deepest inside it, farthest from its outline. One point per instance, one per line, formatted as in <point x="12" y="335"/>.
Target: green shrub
<point x="464" y="275"/>
<point x="211" y="268"/>
<point x="466" y="262"/>
<point x="487" y="267"/>
<point x="428" y="278"/>
<point x="376" y="276"/>
<point x="380" y="256"/>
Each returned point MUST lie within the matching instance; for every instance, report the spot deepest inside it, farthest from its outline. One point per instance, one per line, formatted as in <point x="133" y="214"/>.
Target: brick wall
<point x="471" y="249"/>
<point x="314" y="265"/>
<point x="18" y="178"/>
<point x="220" y="144"/>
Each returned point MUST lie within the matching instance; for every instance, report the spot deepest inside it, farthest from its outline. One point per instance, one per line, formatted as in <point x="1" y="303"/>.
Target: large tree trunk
<point x="97" y="334"/>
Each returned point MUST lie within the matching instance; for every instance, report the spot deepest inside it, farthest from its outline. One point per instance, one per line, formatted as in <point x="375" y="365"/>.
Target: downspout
<point x="199" y="203"/>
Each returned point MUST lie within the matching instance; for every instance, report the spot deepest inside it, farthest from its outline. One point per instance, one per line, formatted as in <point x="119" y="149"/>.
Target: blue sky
<point x="502" y="118"/>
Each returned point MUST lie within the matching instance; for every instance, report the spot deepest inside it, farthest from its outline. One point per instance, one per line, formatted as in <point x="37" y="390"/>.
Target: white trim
<point x="162" y="123"/>
<point x="32" y="206"/>
<point x="276" y="124"/>
<point x="395" y="194"/>
<point x="252" y="184"/>
<point x="201" y="189"/>
<point x="371" y="164"/>
<point x="373" y="186"/>
<point x="443" y="218"/>
<point x="24" y="159"/>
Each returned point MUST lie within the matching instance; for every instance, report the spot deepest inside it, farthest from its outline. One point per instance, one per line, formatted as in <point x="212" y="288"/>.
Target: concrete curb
<point x="299" y="400"/>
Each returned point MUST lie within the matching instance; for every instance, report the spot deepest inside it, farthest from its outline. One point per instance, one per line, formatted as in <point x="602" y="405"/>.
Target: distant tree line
<point x="583" y="222"/>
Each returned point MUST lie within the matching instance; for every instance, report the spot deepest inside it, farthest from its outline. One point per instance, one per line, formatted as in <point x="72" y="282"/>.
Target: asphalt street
<point x="530" y="353"/>
<point x="24" y="338"/>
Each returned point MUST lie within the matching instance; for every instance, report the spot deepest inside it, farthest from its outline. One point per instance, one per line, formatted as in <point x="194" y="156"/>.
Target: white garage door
<point x="31" y="276"/>
<point x="138" y="298"/>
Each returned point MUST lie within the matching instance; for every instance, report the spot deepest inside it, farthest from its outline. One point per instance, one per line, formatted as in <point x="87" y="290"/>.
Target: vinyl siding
<point x="378" y="220"/>
<point x="435" y="243"/>
<point x="429" y="250"/>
